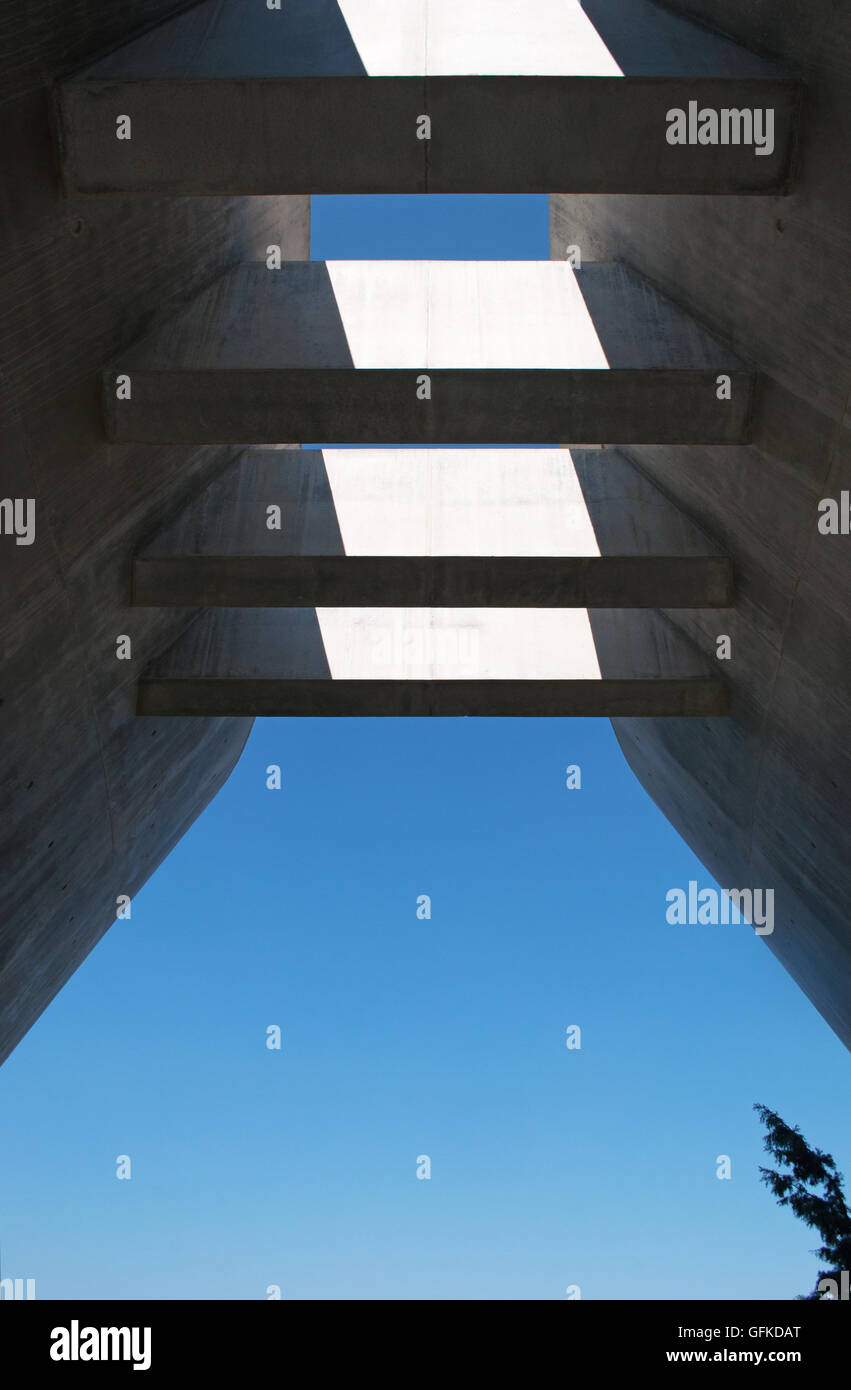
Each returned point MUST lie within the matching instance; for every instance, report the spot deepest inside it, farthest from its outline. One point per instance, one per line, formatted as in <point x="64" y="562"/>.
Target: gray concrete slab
<point x="430" y="502"/>
<point x="359" y="135"/>
<point x="320" y="97"/>
<point x="452" y="698"/>
<point x="467" y="407"/>
<point x="431" y="528"/>
<point x="473" y="661"/>
<point x="449" y="581"/>
<point x="318" y="352"/>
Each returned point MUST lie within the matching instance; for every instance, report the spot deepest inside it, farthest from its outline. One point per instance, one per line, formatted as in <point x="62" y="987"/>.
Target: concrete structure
<point x="150" y="336"/>
<point x="515" y="352"/>
<point x="480" y="609"/>
<point x="92" y="797"/>
<point x="231" y="98"/>
<point x="764" y="798"/>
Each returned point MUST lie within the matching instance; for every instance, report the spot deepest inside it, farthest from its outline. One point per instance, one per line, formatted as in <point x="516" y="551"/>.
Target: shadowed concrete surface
<point x="764" y="798"/>
<point x="426" y="662"/>
<point x="92" y="797"/>
<point x="238" y="98"/>
<point x="422" y="647"/>
<point x="435" y="528"/>
<point x="513" y="351"/>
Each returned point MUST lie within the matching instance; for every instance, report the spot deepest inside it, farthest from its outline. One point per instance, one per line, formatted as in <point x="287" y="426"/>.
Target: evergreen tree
<point x="809" y="1170"/>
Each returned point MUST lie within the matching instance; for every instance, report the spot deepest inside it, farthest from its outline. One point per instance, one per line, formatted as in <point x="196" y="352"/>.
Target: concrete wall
<point x="765" y="798"/>
<point x="91" y="797"/>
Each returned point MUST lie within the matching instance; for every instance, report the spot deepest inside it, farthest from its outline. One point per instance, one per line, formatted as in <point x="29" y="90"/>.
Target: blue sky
<point x="404" y="1037"/>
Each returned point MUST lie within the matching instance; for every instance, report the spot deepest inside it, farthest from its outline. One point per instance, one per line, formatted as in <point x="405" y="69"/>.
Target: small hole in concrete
<point x="78" y="226"/>
<point x="780" y="225"/>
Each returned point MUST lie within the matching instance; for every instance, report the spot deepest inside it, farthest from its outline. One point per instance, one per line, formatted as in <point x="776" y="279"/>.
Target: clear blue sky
<point x="404" y="1037"/>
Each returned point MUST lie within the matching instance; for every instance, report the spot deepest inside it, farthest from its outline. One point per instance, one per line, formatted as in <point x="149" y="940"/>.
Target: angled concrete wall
<point x="91" y="796"/>
<point x="764" y="799"/>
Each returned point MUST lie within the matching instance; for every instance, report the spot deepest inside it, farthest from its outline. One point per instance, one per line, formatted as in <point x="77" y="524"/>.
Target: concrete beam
<point x="359" y="135"/>
<point x="507" y="528"/>
<point x="374" y="661"/>
<point x="467" y="407"/>
<point x="312" y="98"/>
<point x="455" y="698"/>
<point x="514" y="353"/>
<point x="451" y="581"/>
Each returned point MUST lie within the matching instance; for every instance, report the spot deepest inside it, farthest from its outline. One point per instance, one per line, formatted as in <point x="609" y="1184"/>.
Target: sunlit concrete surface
<point x="464" y="314"/>
<point x="459" y="502"/>
<point x="476" y="36"/>
<point x="451" y="643"/>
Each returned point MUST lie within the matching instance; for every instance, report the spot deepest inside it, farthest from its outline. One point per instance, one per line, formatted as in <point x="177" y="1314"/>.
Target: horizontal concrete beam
<point x="466" y="406"/>
<point x="213" y="697"/>
<point x="487" y="135"/>
<point x="429" y="352"/>
<point x="394" y="581"/>
<point x="427" y="661"/>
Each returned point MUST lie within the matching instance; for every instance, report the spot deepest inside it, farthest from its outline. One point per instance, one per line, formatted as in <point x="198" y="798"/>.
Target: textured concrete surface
<point x="88" y="809"/>
<point x="516" y="351"/>
<point x="91" y="797"/>
<point x="411" y="581"/>
<point x="428" y="661"/>
<point x="457" y="697"/>
<point x="431" y="502"/>
<point x="316" y="97"/>
<point x="765" y="798"/>
<point x="423" y="531"/>
<point x="411" y="653"/>
<point x="359" y="135"/>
